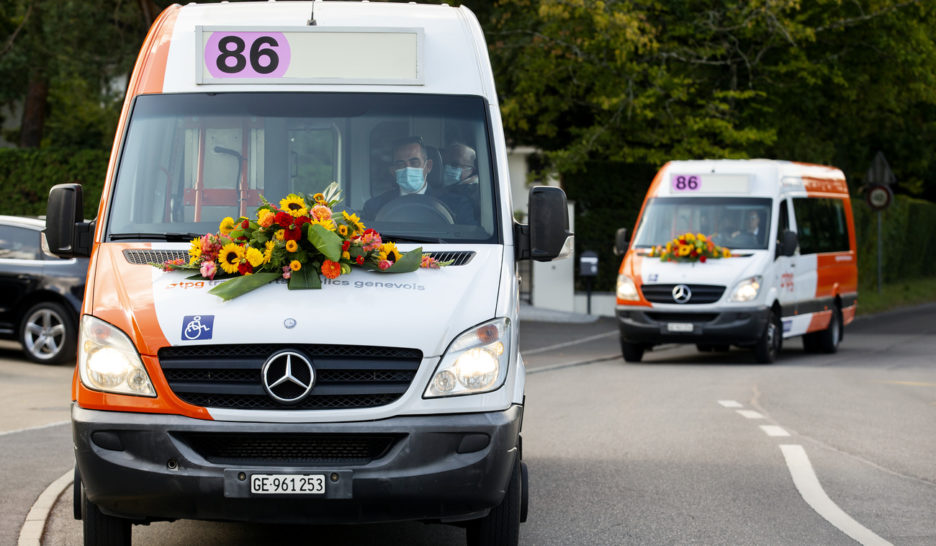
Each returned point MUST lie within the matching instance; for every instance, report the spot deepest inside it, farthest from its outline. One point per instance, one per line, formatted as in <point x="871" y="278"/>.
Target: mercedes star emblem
<point x="288" y="376"/>
<point x="681" y="293"/>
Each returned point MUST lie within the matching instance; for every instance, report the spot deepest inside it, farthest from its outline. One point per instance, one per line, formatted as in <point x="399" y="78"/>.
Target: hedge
<point x="26" y="176"/>
<point x="608" y="196"/>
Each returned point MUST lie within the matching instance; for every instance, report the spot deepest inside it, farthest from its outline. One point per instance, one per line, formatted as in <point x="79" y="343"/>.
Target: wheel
<point x="810" y="345"/>
<point x="704" y="348"/>
<point x="48" y="334"/>
<point x="101" y="529"/>
<point x="501" y="527"/>
<point x="768" y="346"/>
<point x="422" y="209"/>
<point x="632" y="352"/>
<point x="827" y="341"/>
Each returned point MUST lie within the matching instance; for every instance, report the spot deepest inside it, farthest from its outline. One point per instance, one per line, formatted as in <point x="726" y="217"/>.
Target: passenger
<point x="410" y="168"/>
<point x="460" y="173"/>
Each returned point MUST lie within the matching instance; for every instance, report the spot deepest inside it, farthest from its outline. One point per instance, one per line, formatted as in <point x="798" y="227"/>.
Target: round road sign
<point x="879" y="196"/>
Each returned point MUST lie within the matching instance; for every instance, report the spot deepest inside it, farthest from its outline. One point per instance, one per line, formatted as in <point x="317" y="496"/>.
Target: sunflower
<point x="294" y="205"/>
<point x="319" y="198"/>
<point x="268" y="252"/>
<point x="226" y="225"/>
<point x="230" y="257"/>
<point x="254" y="256"/>
<point x="343" y="230"/>
<point x="327" y="224"/>
<point x="388" y="251"/>
<point x="195" y="251"/>
<point x="292" y="246"/>
<point x="295" y="265"/>
<point x="354" y="221"/>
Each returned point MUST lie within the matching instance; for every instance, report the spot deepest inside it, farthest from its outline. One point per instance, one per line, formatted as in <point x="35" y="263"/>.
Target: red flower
<point x="244" y="268"/>
<point x="345" y="246"/>
<point x="360" y="260"/>
<point x="292" y="234"/>
<point x="702" y="259"/>
<point x="283" y="219"/>
<point x="331" y="269"/>
<point x="245" y="224"/>
<point x="694" y="253"/>
<point x="302" y="220"/>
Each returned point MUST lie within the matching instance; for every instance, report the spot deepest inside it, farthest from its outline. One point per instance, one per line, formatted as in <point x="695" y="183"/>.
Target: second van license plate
<point x="679" y="326"/>
<point x="287" y="484"/>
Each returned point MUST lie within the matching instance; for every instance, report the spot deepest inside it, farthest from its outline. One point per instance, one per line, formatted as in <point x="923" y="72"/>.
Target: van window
<point x="190" y="160"/>
<point x="820" y="225"/>
<point x="733" y="222"/>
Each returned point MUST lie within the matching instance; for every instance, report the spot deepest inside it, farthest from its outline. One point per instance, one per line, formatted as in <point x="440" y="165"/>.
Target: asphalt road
<point x="684" y="448"/>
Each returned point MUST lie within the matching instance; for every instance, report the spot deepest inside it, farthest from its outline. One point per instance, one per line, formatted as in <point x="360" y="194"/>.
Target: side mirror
<point x="788" y="243"/>
<point x="67" y="234"/>
<point x="547" y="236"/>
<point x="621" y="243"/>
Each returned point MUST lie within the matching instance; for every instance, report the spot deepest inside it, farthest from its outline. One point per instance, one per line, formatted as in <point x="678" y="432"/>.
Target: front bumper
<point x="743" y="326"/>
<point x="150" y="467"/>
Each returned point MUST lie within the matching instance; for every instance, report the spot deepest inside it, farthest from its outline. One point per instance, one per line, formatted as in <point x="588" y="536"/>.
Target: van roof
<point x="453" y="55"/>
<point x="755" y="177"/>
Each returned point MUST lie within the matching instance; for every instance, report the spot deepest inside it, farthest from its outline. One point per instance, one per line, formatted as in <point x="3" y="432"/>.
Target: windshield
<point x="413" y="167"/>
<point x="729" y="221"/>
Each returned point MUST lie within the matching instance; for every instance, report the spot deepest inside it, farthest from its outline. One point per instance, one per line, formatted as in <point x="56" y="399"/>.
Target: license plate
<point x="679" y="326"/>
<point x="287" y="484"/>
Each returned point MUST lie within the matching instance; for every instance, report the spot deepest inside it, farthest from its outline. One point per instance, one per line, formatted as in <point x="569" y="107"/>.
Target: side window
<point x="820" y="225"/>
<point x="18" y="243"/>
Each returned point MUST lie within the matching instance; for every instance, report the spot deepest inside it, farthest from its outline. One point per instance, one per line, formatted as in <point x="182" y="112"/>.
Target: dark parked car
<point x="40" y="294"/>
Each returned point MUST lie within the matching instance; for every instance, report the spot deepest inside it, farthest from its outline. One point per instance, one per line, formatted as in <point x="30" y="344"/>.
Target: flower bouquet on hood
<point x="298" y="240"/>
<point x="690" y="247"/>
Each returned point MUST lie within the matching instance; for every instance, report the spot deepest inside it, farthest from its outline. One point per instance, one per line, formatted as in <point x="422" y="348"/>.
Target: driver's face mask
<point x="451" y="175"/>
<point x="410" y="179"/>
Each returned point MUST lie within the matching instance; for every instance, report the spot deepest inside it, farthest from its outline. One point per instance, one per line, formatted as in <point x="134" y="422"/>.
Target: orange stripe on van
<point x="819" y="321"/>
<point x="825" y="187"/>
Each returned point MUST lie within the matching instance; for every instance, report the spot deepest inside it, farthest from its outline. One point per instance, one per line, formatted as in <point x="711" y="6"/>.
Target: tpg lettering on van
<point x="739" y="252"/>
<point x="377" y="397"/>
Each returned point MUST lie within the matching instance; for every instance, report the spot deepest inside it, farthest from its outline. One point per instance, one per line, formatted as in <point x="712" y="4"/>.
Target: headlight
<point x="108" y="361"/>
<point x="746" y="290"/>
<point x="626" y="289"/>
<point x="475" y="362"/>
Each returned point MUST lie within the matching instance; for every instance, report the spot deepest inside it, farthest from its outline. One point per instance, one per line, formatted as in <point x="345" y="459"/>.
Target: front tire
<point x="101" y="529"/>
<point x="632" y="352"/>
<point x="501" y="527"/>
<point x="48" y="334"/>
<point x="768" y="346"/>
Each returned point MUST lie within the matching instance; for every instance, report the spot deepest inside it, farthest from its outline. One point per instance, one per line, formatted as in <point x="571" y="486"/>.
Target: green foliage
<point x="26" y="176"/>
<point x="909" y="237"/>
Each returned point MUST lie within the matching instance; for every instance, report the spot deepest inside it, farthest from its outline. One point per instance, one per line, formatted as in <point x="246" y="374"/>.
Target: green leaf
<point x="304" y="279"/>
<point x="325" y="242"/>
<point x="239" y="286"/>
<point x="407" y="262"/>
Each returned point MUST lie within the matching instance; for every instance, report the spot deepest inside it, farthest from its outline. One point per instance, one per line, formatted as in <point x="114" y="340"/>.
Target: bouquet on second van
<point x="297" y="241"/>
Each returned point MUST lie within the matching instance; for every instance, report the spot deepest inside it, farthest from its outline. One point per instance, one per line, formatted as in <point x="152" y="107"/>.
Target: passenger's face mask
<point x="451" y="175"/>
<point x="410" y="179"/>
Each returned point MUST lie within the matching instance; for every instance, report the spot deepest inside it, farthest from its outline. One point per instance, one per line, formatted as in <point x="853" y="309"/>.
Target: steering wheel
<point x="422" y="209"/>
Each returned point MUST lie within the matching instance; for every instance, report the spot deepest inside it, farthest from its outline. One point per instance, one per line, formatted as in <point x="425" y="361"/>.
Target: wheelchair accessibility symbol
<point x="197" y="326"/>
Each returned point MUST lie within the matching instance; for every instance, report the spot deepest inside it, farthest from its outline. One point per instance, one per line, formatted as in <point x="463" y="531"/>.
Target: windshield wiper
<point x="410" y="238"/>
<point x="170" y="237"/>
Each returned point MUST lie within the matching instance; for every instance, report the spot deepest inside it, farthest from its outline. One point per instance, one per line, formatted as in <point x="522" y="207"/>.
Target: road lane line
<point x="749" y="414"/>
<point x="39" y="427"/>
<point x="555" y="367"/>
<point x="911" y="383"/>
<point x="730" y="404"/>
<point x="806" y="482"/>
<point x="33" y="527"/>
<point x="568" y="343"/>
<point x="774" y="430"/>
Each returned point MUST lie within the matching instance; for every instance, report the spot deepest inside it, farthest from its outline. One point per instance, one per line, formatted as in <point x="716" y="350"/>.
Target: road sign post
<point x="879" y="196"/>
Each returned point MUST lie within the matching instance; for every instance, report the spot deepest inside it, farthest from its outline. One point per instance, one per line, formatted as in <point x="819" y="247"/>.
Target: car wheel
<point x="48" y="334"/>
<point x="827" y="341"/>
<point x="501" y="527"/>
<point x="102" y="529"/>
<point x="768" y="346"/>
<point x="632" y="352"/>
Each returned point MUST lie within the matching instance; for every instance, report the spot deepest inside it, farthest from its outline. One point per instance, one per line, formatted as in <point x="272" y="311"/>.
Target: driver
<point x="410" y="168"/>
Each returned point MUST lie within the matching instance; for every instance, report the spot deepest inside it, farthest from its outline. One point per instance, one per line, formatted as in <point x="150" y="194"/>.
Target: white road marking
<point x="730" y="404"/>
<point x="811" y="490"/>
<point x="568" y="343"/>
<point x="31" y="532"/>
<point x="774" y="430"/>
<point x="55" y="424"/>
<point x="749" y="414"/>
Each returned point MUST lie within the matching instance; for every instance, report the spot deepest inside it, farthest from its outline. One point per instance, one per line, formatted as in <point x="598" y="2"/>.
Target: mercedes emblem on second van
<point x="681" y="293"/>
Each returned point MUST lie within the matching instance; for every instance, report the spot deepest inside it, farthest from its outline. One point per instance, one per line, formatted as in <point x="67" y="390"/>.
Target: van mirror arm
<point x="521" y="241"/>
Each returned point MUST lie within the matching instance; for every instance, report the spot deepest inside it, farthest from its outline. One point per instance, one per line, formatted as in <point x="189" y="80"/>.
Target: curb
<point x="34" y="526"/>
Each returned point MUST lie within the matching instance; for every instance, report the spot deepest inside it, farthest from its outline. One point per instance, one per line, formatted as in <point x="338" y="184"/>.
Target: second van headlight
<point x="475" y="362"/>
<point x="108" y="361"/>
<point x="746" y="290"/>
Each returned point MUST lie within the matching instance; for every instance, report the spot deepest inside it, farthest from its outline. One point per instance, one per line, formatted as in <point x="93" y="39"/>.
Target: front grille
<point x="681" y="317"/>
<point x="701" y="293"/>
<point x="284" y="449"/>
<point x="457" y="257"/>
<point x="346" y="376"/>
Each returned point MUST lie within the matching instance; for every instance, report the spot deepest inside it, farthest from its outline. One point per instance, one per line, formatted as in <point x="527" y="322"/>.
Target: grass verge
<point x="894" y="295"/>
